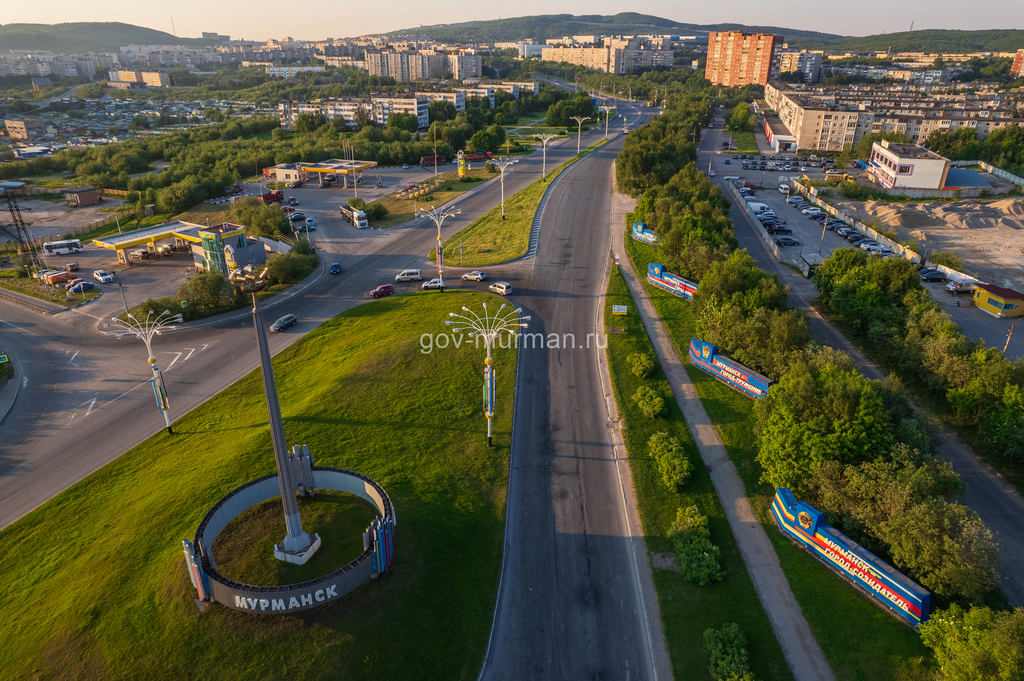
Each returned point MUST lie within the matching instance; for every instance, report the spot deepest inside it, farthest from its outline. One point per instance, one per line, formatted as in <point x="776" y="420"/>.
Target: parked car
<point x="502" y="288"/>
<point x="778" y="229"/>
<point x="103" y="276"/>
<point x="43" y="274"/>
<point x="283" y="323"/>
<point x="405" y="166"/>
<point x="819" y="218"/>
<point x="726" y="161"/>
<point x="310" y="223"/>
<point x="810" y="210"/>
<point x="711" y="173"/>
<point x="381" y="291"/>
<point x="787" y="241"/>
<point x="933" y="276"/>
<point x="287" y="209"/>
<point x="475" y="275"/>
<point x="82" y="286"/>
<point x="793" y="200"/>
<point x="866" y="244"/>
<point x="292" y="201"/>
<point x="71" y="267"/>
<point x="335" y="268"/>
<point x="71" y="283"/>
<point x="957" y="287"/>
<point x="409" y="275"/>
<point x="140" y="255"/>
<point x="433" y="284"/>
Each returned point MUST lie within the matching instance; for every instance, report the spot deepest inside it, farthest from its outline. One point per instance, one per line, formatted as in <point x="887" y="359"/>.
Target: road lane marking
<point x="73" y="356"/>
<point x="19" y="328"/>
<point x="177" y="357"/>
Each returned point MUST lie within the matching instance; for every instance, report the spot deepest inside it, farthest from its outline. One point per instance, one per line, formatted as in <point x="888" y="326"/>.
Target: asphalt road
<point x="571" y="603"/>
<point x="85" y="397"/>
<point x="996" y="502"/>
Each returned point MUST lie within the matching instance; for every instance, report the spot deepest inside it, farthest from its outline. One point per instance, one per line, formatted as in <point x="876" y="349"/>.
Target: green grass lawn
<point x="402" y="209"/>
<point x="686" y="609"/>
<point x="94" y="580"/>
<point x="489" y="240"/>
<point x="745" y="143"/>
<point x="31" y="287"/>
<point x="865" y="642"/>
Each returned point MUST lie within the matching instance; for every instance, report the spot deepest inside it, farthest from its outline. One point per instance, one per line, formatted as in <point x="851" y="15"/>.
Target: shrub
<point x="641" y="364"/>
<point x="691" y="539"/>
<point x="650" y="402"/>
<point x="672" y="460"/>
<point x="7" y="370"/>
<point x="287" y="268"/>
<point x="948" y="259"/>
<point x="208" y="293"/>
<point x="357" y="203"/>
<point x="727" y="648"/>
<point x="375" y="211"/>
<point x="976" y="643"/>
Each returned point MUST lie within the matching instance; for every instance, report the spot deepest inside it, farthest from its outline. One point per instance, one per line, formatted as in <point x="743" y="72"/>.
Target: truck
<point x="272" y="196"/>
<point x="478" y="155"/>
<point x="354" y="216"/>
<point x="428" y="161"/>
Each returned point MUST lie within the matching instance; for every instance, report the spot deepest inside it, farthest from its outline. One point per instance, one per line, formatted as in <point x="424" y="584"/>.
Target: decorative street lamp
<point x="579" y="132"/>
<point x="544" y="140"/>
<point x="489" y="327"/>
<point x="298" y="546"/>
<point x="144" y="330"/>
<point x="503" y="163"/>
<point x="606" y="109"/>
<point x="439" y="216"/>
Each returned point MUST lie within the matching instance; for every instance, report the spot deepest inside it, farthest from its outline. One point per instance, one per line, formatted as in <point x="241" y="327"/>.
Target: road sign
<point x="3" y="358"/>
<point x="620" y="309"/>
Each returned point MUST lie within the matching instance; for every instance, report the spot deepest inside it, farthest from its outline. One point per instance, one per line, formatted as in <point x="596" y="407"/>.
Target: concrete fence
<point x="783" y="255"/>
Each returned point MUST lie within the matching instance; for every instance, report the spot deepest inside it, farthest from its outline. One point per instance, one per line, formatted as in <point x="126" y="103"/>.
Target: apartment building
<point x="831" y="119"/>
<point x="801" y="61"/>
<point x="737" y="59"/>
<point x="457" y="99"/>
<point x="1017" y="70"/>
<point x="148" y="78"/>
<point x="383" y="107"/>
<point x="289" y="71"/>
<point x="907" y="165"/>
<point x="481" y="92"/>
<point x="25" y="128"/>
<point x="465" y="66"/>
<point x="616" y="60"/>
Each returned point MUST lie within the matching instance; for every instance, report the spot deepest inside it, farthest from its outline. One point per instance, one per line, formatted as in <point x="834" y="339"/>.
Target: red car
<point x="73" y="282"/>
<point x="381" y="291"/>
<point x="287" y="209"/>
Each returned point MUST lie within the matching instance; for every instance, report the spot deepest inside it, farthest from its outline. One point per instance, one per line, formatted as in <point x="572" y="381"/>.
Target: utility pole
<point x="1008" y="337"/>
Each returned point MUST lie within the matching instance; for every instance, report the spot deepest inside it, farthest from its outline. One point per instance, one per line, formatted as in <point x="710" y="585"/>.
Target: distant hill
<point x="557" y="25"/>
<point x="85" y="37"/>
<point x="931" y="40"/>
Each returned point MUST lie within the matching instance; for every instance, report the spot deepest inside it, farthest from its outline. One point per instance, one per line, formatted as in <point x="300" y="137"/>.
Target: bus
<point x="61" y="247"/>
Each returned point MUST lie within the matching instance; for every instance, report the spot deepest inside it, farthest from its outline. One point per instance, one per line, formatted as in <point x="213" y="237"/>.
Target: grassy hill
<point x="557" y="25"/>
<point x="85" y="37"/>
<point x="932" y="40"/>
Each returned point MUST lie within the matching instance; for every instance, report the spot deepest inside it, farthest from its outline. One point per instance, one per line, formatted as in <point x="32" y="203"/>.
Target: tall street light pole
<point x="144" y="330"/>
<point x="544" y="140"/>
<point x="502" y="164"/>
<point x="298" y="546"/>
<point x="489" y="327"/>
<point x="439" y="216"/>
<point x="606" y="109"/>
<point x="579" y="132"/>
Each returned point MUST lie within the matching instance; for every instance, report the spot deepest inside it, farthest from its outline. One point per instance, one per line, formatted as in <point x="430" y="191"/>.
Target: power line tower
<point x="18" y="229"/>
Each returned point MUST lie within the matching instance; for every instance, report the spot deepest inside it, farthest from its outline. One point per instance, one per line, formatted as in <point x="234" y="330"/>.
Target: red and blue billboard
<point x="889" y="587"/>
<point x="705" y="356"/>
<point x="641" y="233"/>
<point x="657" y="275"/>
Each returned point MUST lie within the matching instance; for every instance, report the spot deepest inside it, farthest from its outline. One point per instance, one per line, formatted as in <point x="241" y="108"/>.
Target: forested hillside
<point x="85" y="37"/>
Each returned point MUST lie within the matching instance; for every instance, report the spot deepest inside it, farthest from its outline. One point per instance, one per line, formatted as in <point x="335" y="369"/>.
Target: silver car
<point x="475" y="275"/>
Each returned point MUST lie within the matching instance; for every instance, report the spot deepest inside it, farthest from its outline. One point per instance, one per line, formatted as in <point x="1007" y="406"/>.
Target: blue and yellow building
<point x="999" y="301"/>
<point x="220" y="248"/>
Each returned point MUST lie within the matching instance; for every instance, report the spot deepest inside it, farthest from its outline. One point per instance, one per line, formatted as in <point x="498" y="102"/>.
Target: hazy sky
<point x="261" y="19"/>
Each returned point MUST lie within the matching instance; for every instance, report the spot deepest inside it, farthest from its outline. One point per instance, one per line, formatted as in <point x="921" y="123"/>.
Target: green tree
<point x="698" y="557"/>
<point x="1002" y="426"/>
<point x="261" y="219"/>
<point x="977" y="643"/>
<point x="673" y="463"/>
<point x="207" y="293"/>
<point x="375" y="211"/>
<point x="403" y="121"/>
<point x="741" y="119"/>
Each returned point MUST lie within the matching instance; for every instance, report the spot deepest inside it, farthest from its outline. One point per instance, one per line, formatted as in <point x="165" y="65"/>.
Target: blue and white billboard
<point x="657" y="275"/>
<point x="705" y="356"/>
<point x="641" y="233"/>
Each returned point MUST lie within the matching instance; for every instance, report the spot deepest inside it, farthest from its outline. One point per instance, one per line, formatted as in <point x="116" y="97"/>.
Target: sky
<point x="262" y="19"/>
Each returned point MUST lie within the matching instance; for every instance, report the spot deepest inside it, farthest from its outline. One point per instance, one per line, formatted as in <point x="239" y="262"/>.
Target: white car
<point x="475" y="275"/>
<point x="43" y="274"/>
<point x="711" y="173"/>
<point x="103" y="276"/>
<point x="433" y="284"/>
<point x="405" y="166"/>
<point x="811" y="211"/>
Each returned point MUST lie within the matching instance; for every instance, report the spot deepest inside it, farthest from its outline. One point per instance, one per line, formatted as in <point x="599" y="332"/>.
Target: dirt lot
<point x="51" y="217"/>
<point x="988" y="235"/>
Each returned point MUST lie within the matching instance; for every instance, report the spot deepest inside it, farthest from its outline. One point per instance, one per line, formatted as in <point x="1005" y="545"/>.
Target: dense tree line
<point x="1003" y="148"/>
<point x="852" y="447"/>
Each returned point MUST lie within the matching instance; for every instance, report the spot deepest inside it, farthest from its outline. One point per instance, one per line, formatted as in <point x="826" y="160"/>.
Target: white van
<point x="783" y="188"/>
<point x="409" y="275"/>
<point x="758" y="207"/>
<point x="502" y="288"/>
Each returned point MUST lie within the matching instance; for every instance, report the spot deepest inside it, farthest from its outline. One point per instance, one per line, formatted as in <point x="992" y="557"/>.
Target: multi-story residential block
<point x="289" y="71"/>
<point x="801" y="61"/>
<point x="383" y="107"/>
<point x="465" y="66"/>
<point x="481" y="92"/>
<point x="907" y="165"/>
<point x="736" y="58"/>
<point x="1017" y="70"/>
<point x="457" y="99"/>
<point x="25" y="128"/>
<point x="617" y="60"/>
<point x="149" y="78"/>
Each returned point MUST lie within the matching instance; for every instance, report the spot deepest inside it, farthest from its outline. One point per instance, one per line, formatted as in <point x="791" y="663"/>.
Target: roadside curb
<point x="34" y="304"/>
<point x="7" y="389"/>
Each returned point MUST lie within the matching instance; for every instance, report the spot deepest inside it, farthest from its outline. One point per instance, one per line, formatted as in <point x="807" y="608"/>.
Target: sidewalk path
<point x="803" y="655"/>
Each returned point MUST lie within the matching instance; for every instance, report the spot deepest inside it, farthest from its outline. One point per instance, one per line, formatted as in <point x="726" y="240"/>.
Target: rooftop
<point x="1001" y="292"/>
<point x="910" y="151"/>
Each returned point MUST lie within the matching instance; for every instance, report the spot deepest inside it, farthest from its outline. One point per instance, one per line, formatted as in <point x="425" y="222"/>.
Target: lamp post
<point x="579" y="132"/>
<point x="144" y="330"/>
<point x="297" y="545"/>
<point x="489" y="327"/>
<point x="439" y="216"/>
<point x="503" y="163"/>
<point x="544" y="140"/>
<point x="606" y="109"/>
